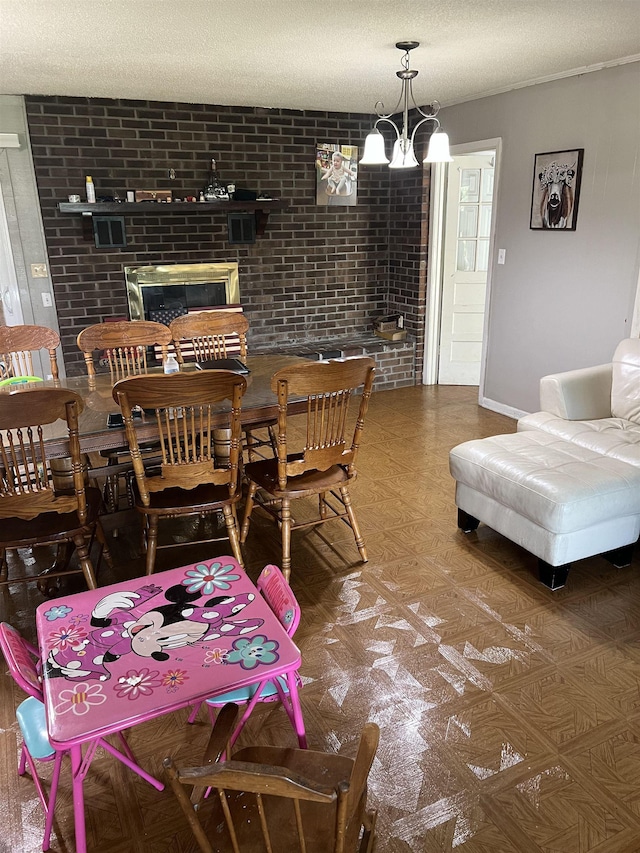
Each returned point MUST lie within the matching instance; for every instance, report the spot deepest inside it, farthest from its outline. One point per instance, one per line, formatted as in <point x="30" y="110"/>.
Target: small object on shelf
<point x="202" y="197"/>
<point x="398" y="335"/>
<point x="390" y="327"/>
<point x="74" y="199"/>
<point x="152" y="195"/>
<point x="91" y="190"/>
<point x="131" y="196"/>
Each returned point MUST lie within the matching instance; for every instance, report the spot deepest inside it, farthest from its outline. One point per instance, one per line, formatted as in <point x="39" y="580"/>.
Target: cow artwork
<point x="556" y="185"/>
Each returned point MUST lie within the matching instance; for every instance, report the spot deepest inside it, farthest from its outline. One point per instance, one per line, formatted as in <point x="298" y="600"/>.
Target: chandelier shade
<point x="403" y="156"/>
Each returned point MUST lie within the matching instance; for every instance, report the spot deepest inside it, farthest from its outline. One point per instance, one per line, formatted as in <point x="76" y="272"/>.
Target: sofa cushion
<point x="555" y="483"/>
<point x="625" y="381"/>
<point x="614" y="437"/>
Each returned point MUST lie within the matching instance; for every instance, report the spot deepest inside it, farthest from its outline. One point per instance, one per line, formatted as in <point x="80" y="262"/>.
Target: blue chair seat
<point x="33" y="725"/>
<point x="246" y="694"/>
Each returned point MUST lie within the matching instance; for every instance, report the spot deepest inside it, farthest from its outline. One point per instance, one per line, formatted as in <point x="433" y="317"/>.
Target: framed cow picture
<point x="556" y="190"/>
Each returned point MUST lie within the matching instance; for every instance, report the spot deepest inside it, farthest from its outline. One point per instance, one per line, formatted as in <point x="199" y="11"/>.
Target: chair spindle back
<point x="125" y="346"/>
<point x="328" y="387"/>
<point x="26" y="480"/>
<point x="210" y="335"/>
<point x="17" y="343"/>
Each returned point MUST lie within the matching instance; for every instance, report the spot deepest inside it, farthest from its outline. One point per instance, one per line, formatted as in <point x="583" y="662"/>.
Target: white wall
<point x="26" y="234"/>
<point x="564" y="298"/>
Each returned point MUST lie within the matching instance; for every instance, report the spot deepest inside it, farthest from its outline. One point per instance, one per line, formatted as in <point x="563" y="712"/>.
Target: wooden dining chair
<point x="319" y="460"/>
<point x="278" y="595"/>
<point x="275" y="799"/>
<point x="127" y="347"/>
<point x="33" y="511"/>
<point x="17" y="345"/>
<point x="190" y="481"/>
<point x="211" y="336"/>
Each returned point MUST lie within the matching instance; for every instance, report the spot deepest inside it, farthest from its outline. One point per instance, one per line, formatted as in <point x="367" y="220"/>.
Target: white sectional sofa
<point x="567" y="485"/>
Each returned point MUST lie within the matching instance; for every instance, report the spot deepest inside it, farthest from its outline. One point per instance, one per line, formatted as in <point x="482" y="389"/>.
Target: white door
<point x="10" y="308"/>
<point x="465" y="262"/>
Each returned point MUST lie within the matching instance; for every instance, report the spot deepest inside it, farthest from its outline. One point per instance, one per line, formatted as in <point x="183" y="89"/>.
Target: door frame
<point x="435" y="251"/>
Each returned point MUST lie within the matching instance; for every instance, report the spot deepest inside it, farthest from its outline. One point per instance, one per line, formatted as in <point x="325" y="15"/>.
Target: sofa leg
<point x="555" y="577"/>
<point x="620" y="557"/>
<point x="467" y="523"/>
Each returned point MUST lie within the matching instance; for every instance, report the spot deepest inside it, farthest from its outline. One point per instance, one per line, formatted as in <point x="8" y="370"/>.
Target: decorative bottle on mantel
<point x="213" y="185"/>
<point x="214" y="190"/>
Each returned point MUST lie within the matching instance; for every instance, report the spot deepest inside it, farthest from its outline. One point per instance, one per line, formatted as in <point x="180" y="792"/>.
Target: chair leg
<point x="248" y="508"/>
<point x="346" y="500"/>
<point x="322" y="507"/>
<point x="152" y="542"/>
<point x="285" y="518"/>
<point x="53" y="790"/>
<point x="232" y="531"/>
<point x="4" y="567"/>
<point x="102" y="540"/>
<point x="194" y="713"/>
<point x="85" y="561"/>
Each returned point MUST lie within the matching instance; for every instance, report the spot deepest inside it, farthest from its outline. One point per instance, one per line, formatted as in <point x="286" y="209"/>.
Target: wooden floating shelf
<point x="155" y="208"/>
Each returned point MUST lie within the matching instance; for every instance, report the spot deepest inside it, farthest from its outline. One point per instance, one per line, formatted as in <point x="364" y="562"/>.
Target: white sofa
<point x="566" y="485"/>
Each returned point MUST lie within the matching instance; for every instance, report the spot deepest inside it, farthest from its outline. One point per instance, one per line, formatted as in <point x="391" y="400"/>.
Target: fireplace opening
<point x="163" y="292"/>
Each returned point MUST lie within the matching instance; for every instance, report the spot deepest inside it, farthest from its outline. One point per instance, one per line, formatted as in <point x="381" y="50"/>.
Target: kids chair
<point x="282" y="601"/>
<point x="22" y="658"/>
<point x="278" y="799"/>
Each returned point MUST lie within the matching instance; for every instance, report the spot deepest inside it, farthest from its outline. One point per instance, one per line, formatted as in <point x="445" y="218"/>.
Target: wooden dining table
<point x="258" y="404"/>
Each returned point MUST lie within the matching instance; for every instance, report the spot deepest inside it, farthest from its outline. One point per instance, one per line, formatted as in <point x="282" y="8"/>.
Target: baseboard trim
<point x="501" y="408"/>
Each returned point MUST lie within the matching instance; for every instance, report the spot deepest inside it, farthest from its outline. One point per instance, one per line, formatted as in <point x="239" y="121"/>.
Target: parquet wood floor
<point x="509" y="714"/>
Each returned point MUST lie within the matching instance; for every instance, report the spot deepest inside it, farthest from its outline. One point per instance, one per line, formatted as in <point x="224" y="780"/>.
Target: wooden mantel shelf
<point x="155" y="208"/>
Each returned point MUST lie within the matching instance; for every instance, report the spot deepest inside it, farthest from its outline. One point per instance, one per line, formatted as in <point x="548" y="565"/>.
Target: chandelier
<point x="403" y="156"/>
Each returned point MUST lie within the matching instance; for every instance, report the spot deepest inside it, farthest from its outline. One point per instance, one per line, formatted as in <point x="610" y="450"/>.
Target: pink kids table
<point x="122" y="654"/>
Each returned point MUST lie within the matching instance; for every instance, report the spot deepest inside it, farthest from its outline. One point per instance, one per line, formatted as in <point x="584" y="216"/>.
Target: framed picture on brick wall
<point x="336" y="175"/>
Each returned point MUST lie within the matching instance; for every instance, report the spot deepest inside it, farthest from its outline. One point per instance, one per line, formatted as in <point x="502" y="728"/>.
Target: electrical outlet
<point x="502" y="256"/>
<point x="38" y="270"/>
<point x="46" y="300"/>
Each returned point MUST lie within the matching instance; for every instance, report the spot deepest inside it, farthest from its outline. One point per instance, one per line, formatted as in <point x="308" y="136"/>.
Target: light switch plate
<point x="46" y="300"/>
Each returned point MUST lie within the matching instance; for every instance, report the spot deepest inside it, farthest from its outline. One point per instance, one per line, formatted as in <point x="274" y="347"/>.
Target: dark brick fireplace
<point x="317" y="273"/>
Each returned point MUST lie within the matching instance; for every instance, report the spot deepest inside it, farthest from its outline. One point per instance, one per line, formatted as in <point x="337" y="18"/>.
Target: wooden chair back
<point x="280" y="598"/>
<point x="125" y="346"/>
<point x="17" y="343"/>
<point x="27" y="483"/>
<point x="328" y="387"/>
<point x="21" y="659"/>
<point x="209" y="335"/>
<point x="314" y="804"/>
<point x="186" y="410"/>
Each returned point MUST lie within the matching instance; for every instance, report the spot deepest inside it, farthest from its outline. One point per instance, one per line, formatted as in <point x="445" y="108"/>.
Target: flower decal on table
<point x="67" y="635"/>
<point x="173" y="679"/>
<point x="58" y="611"/>
<point x="80" y="698"/>
<point x="215" y="655"/>
<point x="249" y="653"/>
<point x="137" y="683"/>
<point x="206" y="579"/>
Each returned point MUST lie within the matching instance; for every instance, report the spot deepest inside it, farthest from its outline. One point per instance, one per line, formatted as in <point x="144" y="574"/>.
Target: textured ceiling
<point x="304" y="54"/>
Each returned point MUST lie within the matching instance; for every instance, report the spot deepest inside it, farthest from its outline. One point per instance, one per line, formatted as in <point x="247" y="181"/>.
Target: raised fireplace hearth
<point x="163" y="292"/>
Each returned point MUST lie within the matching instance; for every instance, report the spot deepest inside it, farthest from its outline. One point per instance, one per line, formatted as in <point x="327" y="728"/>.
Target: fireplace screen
<point x="162" y="293"/>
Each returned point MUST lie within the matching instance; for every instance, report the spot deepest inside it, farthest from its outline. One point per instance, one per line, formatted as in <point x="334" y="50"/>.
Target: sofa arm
<point x="578" y="395"/>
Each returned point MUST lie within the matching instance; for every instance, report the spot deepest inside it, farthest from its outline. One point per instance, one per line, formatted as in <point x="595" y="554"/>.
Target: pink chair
<point x="23" y="660"/>
<point x="277" y="593"/>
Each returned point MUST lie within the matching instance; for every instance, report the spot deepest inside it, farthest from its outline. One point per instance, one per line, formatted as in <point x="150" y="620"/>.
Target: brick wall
<point x="408" y="236"/>
<point x="316" y="272"/>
